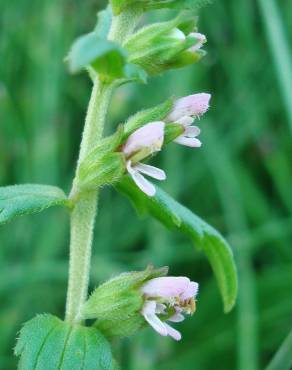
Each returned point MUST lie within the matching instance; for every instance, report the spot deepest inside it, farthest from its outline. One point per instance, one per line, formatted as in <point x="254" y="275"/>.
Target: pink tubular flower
<point x="139" y="145"/>
<point x="184" y="112"/>
<point x="201" y="40"/>
<point x="167" y="298"/>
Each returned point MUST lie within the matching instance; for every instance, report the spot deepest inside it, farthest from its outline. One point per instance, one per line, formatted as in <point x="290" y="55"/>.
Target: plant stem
<point x="84" y="212"/>
<point x="85" y="208"/>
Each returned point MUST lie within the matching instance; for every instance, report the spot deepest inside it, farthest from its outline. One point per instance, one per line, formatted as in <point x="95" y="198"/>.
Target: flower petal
<point x="185" y="121"/>
<point x="165" y="287"/>
<point x="172" y="332"/>
<point x="192" y="131"/>
<point x="177" y="317"/>
<point x="201" y="39"/>
<point x="148" y="136"/>
<point x="143" y="184"/>
<point x="193" y="105"/>
<point x="188" y="141"/>
<point x="152" y="319"/>
<point x="151" y="171"/>
<point x="191" y="291"/>
<point x="149" y="308"/>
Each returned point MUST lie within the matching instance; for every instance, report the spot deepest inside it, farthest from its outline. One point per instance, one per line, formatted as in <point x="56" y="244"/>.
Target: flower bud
<point x="161" y="46"/>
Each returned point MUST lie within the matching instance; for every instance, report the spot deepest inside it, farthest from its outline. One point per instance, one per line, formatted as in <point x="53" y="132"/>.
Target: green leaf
<point x="172" y="131"/>
<point x="282" y="359"/>
<point x="141" y="118"/>
<point x="104" y="20"/>
<point x="121" y="5"/>
<point x="25" y="199"/>
<point x="178" y="4"/>
<point x="134" y="73"/>
<point x="46" y="342"/>
<point x="204" y="236"/>
<point x="105" y="56"/>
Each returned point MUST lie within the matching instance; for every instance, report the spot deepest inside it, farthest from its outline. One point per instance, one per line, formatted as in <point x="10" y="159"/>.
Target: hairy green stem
<point x="85" y="208"/>
<point x="84" y="212"/>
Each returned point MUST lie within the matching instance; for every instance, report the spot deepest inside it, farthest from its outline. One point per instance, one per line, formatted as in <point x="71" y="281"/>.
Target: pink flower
<point x="139" y="145"/>
<point x="201" y="40"/>
<point x="184" y="112"/>
<point x="167" y="299"/>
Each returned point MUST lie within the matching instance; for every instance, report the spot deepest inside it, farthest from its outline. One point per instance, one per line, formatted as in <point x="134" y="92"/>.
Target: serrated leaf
<point x="204" y="236"/>
<point x="18" y="200"/>
<point x="46" y="342"/>
<point x="105" y="56"/>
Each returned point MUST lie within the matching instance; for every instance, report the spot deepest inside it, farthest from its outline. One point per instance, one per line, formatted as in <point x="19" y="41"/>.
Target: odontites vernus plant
<point x="120" y="50"/>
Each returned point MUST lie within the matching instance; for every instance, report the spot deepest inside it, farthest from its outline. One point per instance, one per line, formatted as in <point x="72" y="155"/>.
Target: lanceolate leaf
<point x="20" y="200"/>
<point x="204" y="236"/>
<point x="46" y="342"/>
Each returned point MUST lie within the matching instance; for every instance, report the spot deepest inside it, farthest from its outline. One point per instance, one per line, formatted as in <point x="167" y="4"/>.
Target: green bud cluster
<point x="163" y="45"/>
<point x="117" y="303"/>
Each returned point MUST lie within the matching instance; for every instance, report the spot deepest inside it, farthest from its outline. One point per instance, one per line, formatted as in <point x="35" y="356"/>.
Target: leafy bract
<point x="104" y="20"/>
<point x="157" y="113"/>
<point x="204" y="236"/>
<point x="105" y="56"/>
<point x="46" y="342"/>
<point x="97" y="54"/>
<point x="18" y="200"/>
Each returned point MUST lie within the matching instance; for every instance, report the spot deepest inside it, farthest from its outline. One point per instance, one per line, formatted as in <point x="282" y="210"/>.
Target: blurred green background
<point x="240" y="180"/>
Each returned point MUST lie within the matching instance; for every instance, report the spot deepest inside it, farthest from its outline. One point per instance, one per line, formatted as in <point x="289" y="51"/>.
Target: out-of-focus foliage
<point x="239" y="181"/>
